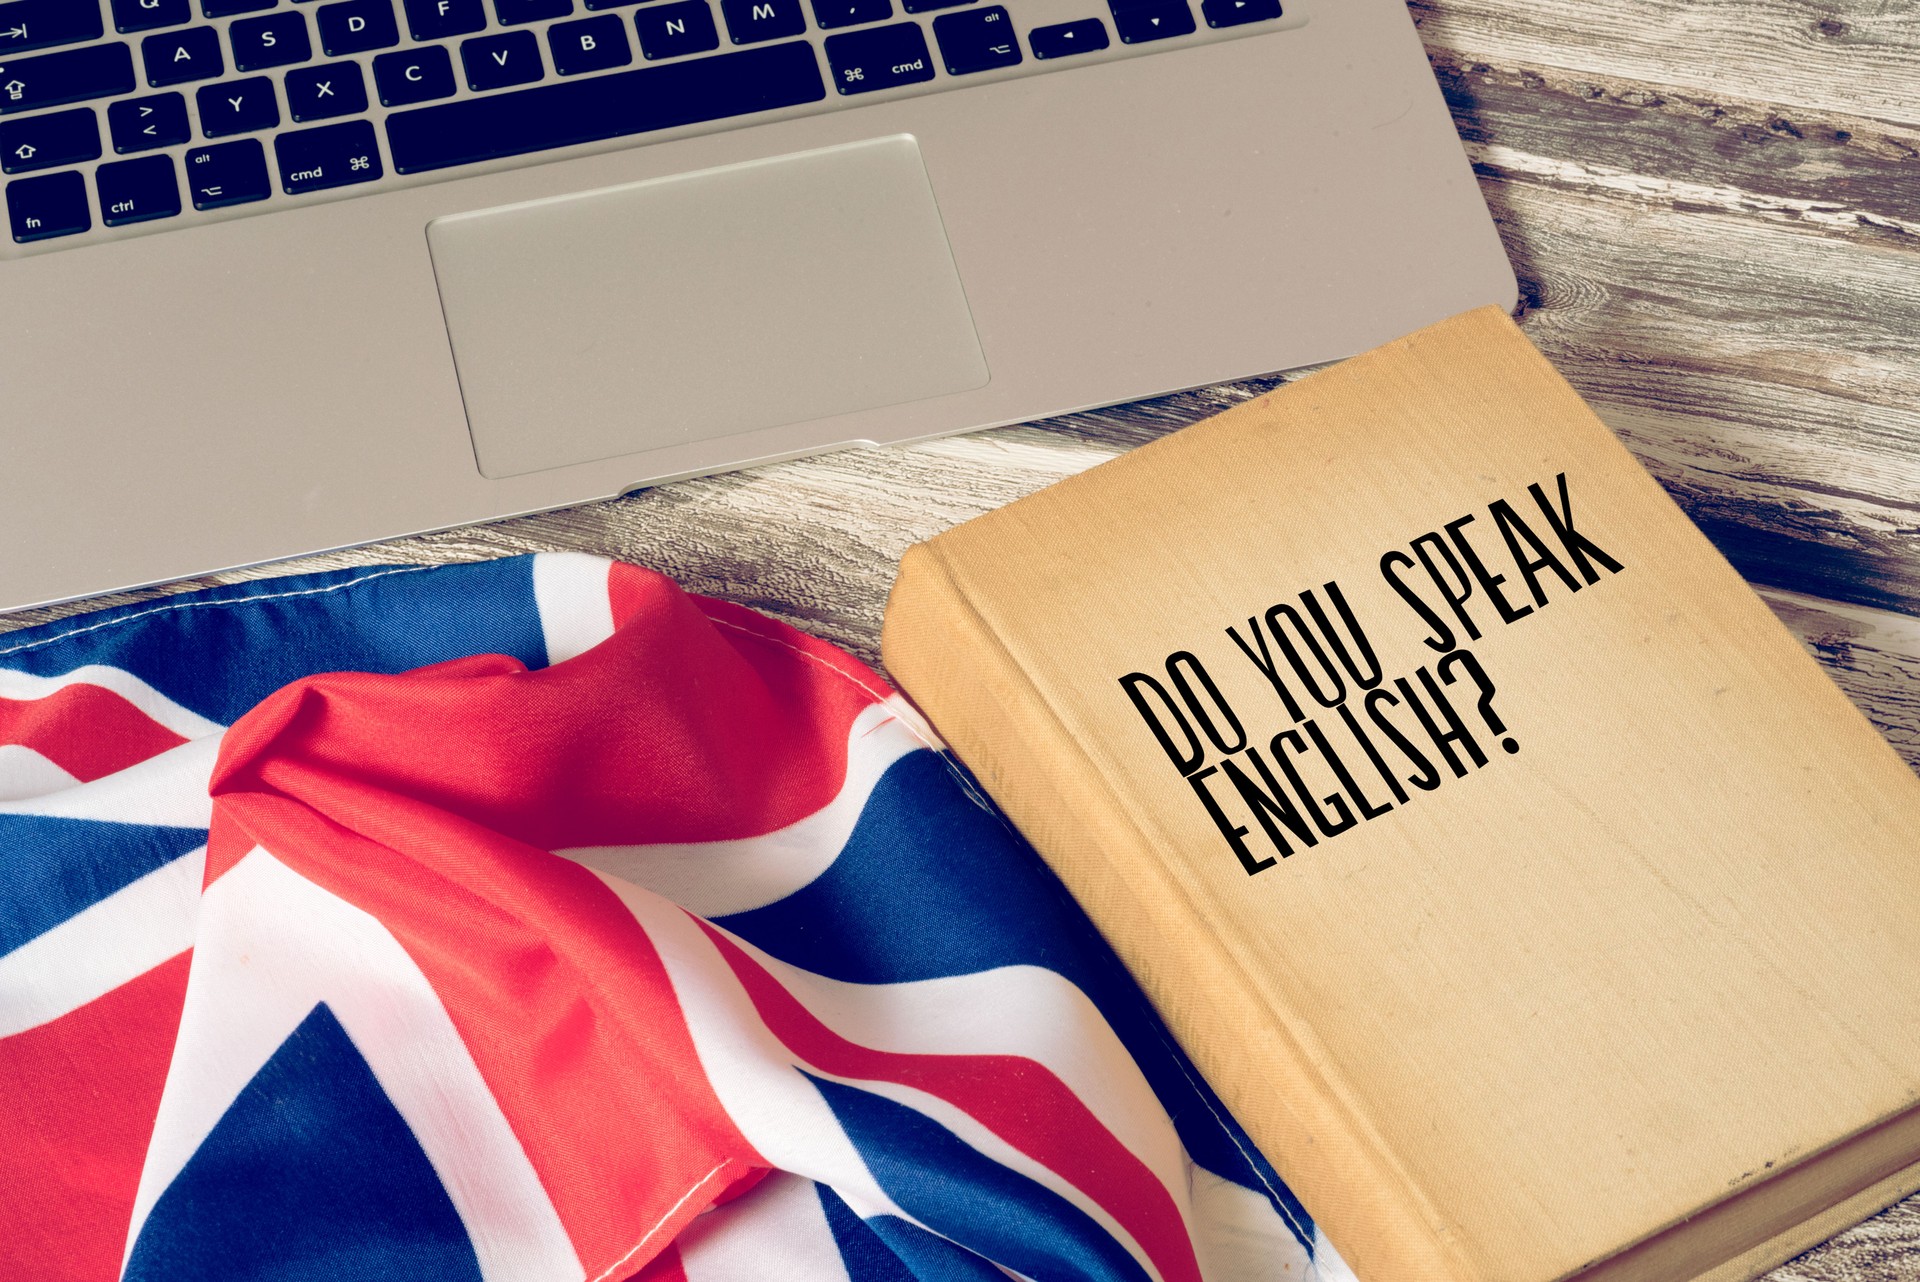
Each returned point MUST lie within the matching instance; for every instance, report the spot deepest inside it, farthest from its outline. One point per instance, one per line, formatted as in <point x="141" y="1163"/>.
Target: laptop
<point x="287" y="276"/>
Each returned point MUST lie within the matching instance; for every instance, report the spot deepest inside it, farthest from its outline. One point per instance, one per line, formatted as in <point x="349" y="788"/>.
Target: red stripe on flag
<point x="1017" y="1099"/>
<point x="88" y="731"/>
<point x="77" y="1101"/>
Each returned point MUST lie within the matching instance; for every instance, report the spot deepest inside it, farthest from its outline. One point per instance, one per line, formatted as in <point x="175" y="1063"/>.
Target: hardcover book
<point x="1531" y="896"/>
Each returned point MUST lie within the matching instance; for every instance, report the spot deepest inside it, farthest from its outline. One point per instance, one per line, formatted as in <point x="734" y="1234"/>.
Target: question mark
<point x="1466" y="659"/>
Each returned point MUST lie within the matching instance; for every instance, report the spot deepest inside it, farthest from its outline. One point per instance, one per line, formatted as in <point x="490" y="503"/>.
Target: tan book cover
<point x="1535" y="901"/>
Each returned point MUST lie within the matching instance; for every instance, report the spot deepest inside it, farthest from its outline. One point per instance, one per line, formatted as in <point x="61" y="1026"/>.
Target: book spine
<point x="981" y="700"/>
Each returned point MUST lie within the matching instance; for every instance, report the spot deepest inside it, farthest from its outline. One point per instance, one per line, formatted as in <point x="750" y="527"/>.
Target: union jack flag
<point x="535" y="920"/>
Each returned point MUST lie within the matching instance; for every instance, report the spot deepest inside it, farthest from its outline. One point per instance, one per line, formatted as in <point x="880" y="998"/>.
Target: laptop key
<point x="330" y="156"/>
<point x="928" y="6"/>
<point x="137" y="191"/>
<point x="413" y="75"/>
<point x="1138" y="24"/>
<point x="355" y="26"/>
<point x="828" y="14"/>
<point x="237" y="107"/>
<point x="48" y="206"/>
<point x="323" y="92"/>
<point x="611" y="106"/>
<point x="1064" y="39"/>
<point x="227" y="8"/>
<point x="512" y="13"/>
<point x="176" y="57"/>
<point x="277" y="40"/>
<point x="141" y="124"/>
<point x="74" y="75"/>
<point x="227" y="173"/>
<point x="751" y="21"/>
<point x="41" y="24"/>
<point x="1232" y="13"/>
<point x="46" y="142"/>
<point x="438" y="19"/>
<point x="591" y="44"/>
<point x="670" y="30"/>
<point x="976" y="40"/>
<point x="130" y="16"/>
<point x="879" y="58"/>
<point x="496" y="62"/>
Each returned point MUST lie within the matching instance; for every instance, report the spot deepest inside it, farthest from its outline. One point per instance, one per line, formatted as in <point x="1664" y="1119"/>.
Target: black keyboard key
<point x="75" y="75"/>
<point x="355" y="26"/>
<point x="928" y="6"/>
<point x="1231" y="13"/>
<point x="881" y="58"/>
<point x="48" y="206"/>
<point x="494" y="62"/>
<point x="227" y="8"/>
<point x="227" y="173"/>
<point x="828" y="14"/>
<point x="977" y="40"/>
<point x="330" y="156"/>
<point x="237" y="107"/>
<point x="413" y="75"/>
<point x="137" y="191"/>
<point x="130" y="16"/>
<point x="751" y="21"/>
<point x="141" y="124"/>
<point x="670" y="30"/>
<point x="1158" y="21"/>
<point x="46" y="142"/>
<point x="438" y="19"/>
<point x="514" y="12"/>
<point x="1064" y="39"/>
<point x="615" y="106"/>
<point x="277" y="40"/>
<point x="591" y="44"/>
<point x="176" y="57"/>
<point x="41" y="24"/>
<point x="321" y="93"/>
<point x="608" y="4"/>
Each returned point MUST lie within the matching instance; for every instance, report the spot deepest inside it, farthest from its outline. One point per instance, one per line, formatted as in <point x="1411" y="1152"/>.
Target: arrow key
<point x="227" y="173"/>
<point x="141" y="124"/>
<point x="1232" y="13"/>
<point x="1064" y="39"/>
<point x="1139" y="23"/>
<point x="43" y="142"/>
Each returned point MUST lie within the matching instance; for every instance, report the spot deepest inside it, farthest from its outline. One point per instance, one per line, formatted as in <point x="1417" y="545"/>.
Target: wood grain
<point x="1714" y="210"/>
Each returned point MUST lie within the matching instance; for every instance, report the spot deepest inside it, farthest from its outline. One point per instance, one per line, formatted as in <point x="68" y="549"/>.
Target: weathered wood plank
<point x="1852" y="57"/>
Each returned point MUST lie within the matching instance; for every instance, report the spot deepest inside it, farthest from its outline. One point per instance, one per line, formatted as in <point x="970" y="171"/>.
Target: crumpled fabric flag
<point x="536" y="920"/>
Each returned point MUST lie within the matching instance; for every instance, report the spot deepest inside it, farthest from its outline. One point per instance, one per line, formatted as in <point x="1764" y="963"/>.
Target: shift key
<point x="74" y="75"/>
<point x="879" y="58"/>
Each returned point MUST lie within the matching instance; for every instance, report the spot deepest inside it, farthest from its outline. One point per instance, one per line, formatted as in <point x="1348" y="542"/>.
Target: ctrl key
<point x="134" y="191"/>
<point x="47" y="206"/>
<point x="227" y="173"/>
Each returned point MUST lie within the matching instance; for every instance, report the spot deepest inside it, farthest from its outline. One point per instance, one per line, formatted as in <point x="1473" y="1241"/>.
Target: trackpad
<point x="703" y="305"/>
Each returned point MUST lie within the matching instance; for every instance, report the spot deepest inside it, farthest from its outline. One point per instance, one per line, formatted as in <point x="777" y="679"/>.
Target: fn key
<point x="330" y="156"/>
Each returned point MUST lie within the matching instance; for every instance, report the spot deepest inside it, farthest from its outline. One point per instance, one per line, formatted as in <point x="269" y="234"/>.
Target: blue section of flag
<point x="51" y="869"/>
<point x="220" y="662"/>
<point x="311" y="1176"/>
<point x="932" y="1258"/>
<point x="932" y="884"/>
<point x="868" y="1259"/>
<point x="947" y="1185"/>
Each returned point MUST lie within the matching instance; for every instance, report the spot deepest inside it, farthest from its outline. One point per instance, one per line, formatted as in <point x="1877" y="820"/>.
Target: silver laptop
<point x="290" y="276"/>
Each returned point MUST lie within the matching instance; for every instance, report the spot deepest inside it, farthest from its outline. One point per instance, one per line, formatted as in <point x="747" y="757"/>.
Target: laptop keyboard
<point x="143" y="114"/>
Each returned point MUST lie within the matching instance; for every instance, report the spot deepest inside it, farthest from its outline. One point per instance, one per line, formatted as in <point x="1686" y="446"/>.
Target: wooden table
<point x="1714" y="207"/>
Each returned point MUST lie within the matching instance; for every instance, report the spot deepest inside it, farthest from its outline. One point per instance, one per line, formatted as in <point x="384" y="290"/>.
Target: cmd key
<point x="98" y="71"/>
<point x="330" y="156"/>
<point x="40" y="24"/>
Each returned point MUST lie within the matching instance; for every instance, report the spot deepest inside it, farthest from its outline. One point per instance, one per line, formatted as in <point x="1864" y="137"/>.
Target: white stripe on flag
<point x="779" y="1219"/>
<point x="570" y="591"/>
<point x="1240" y="1236"/>
<point x="167" y="791"/>
<point x="272" y="945"/>
<point x="182" y="721"/>
<point x="715" y="878"/>
<point x="25" y="773"/>
<point x="109" y="943"/>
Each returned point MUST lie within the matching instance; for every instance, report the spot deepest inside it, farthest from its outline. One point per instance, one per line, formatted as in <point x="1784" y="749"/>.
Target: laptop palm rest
<point x="703" y="305"/>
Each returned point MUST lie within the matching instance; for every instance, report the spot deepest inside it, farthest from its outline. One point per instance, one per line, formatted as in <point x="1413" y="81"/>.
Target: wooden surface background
<point x="1714" y="208"/>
